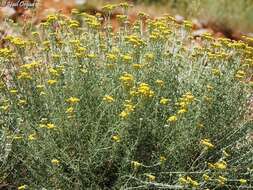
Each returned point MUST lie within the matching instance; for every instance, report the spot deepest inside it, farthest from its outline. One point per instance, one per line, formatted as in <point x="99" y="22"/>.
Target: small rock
<point x="179" y="19"/>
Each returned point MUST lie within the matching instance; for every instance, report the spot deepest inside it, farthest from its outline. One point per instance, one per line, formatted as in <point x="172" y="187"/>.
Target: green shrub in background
<point x="83" y="107"/>
<point x="236" y="15"/>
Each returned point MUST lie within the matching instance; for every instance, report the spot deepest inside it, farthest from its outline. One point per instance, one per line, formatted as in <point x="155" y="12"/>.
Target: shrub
<point x="83" y="107"/>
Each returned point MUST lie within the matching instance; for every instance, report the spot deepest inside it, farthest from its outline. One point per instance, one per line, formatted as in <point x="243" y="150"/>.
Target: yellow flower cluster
<point x="73" y="100"/>
<point x="127" y="80"/>
<point x="206" y="143"/>
<point x="188" y="181"/>
<point x="135" y="41"/>
<point x="145" y="90"/>
<point x="108" y="99"/>
<point x="136" y="164"/>
<point x="6" y="53"/>
<point x="129" y="108"/>
<point x="220" y="165"/>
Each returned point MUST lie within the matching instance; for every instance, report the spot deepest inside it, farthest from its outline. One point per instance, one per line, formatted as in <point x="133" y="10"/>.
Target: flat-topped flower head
<point x="108" y="99"/>
<point x="22" y="187"/>
<point x="116" y="138"/>
<point x="160" y="83"/>
<point x="73" y="100"/>
<point x="127" y="79"/>
<point x="151" y="177"/>
<point x="172" y="119"/>
<point x="221" y="165"/>
<point x="164" y="101"/>
<point x="136" y="164"/>
<point x="145" y="90"/>
<point x="51" y="82"/>
<point x="50" y="126"/>
<point x="55" y="162"/>
<point x="206" y="143"/>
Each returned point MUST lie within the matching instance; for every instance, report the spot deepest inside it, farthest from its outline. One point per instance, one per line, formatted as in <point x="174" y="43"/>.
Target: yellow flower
<point x="183" y="181"/>
<point x="22" y="187"/>
<point x="149" y="57"/>
<point x="163" y="158"/>
<point x="70" y="110"/>
<point x="151" y="177"/>
<point x="40" y="87"/>
<point x="17" y="137"/>
<point x="116" y="138"/>
<point x="192" y="182"/>
<point x="108" y="99"/>
<point x="74" y="11"/>
<point x="206" y="177"/>
<point x="51" y="82"/>
<point x="6" y="53"/>
<point x="129" y="107"/>
<point x="32" y="137"/>
<point x="207" y="143"/>
<point x="18" y="41"/>
<point x="24" y="75"/>
<point x="127" y="58"/>
<point x="182" y="104"/>
<point x="160" y="83"/>
<point x="222" y="180"/>
<point x="71" y="116"/>
<point x="188" y="97"/>
<point x="42" y="126"/>
<point x="164" y="101"/>
<point x="51" y="18"/>
<point x="110" y="65"/>
<point x="53" y="72"/>
<point x="111" y="57"/>
<point x="13" y="91"/>
<point x="221" y="165"/>
<point x="30" y="66"/>
<point x="35" y="33"/>
<point x="242" y="181"/>
<point x="73" y="100"/>
<point x="136" y="164"/>
<point x="91" y="56"/>
<point x="237" y="76"/>
<point x="5" y="108"/>
<point x="216" y="72"/>
<point x="51" y="126"/>
<point x="55" y="162"/>
<point x="127" y="79"/>
<point x="172" y="118"/>
<point x="145" y="90"/>
<point x="225" y="153"/>
<point x="240" y="74"/>
<point x="211" y="166"/>
<point x="109" y="7"/>
<point x="74" y="25"/>
<point x="137" y="66"/>
<point x="124" y="5"/>
<point x="42" y="93"/>
<point x="22" y="102"/>
<point x="124" y="114"/>
<point x="181" y="111"/>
